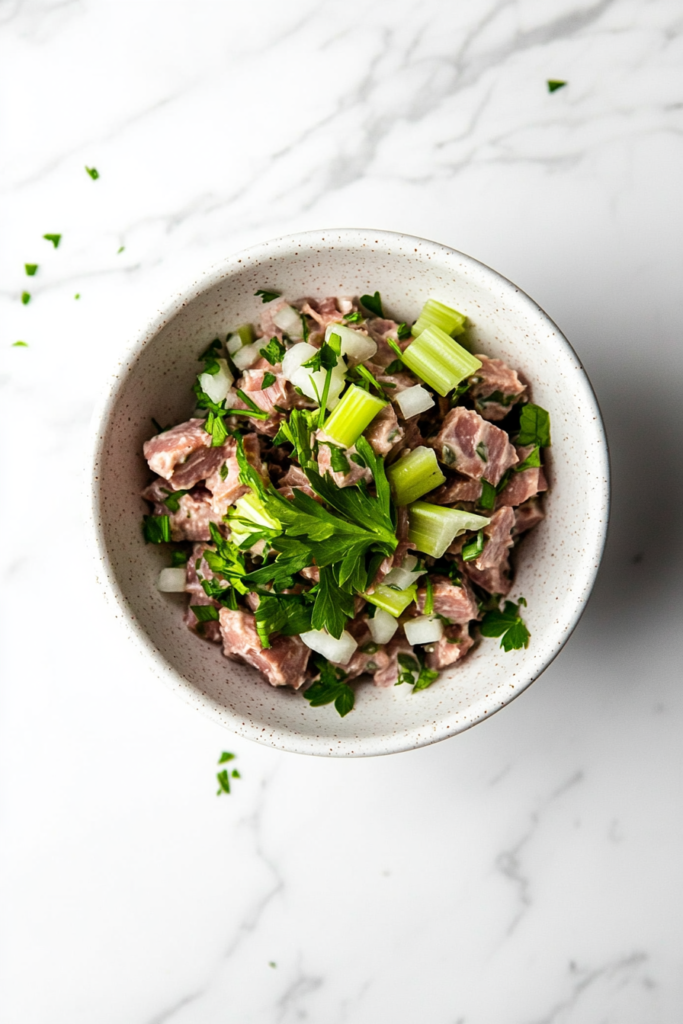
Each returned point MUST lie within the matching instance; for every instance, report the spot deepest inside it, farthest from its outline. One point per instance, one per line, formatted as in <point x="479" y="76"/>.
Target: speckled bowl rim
<point x="283" y="739"/>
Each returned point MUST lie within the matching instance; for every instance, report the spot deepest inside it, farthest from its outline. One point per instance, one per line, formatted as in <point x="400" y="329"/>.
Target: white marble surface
<point x="528" y="871"/>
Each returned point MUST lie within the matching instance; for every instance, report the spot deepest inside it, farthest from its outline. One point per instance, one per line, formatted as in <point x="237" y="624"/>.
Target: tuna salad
<point x="346" y="497"/>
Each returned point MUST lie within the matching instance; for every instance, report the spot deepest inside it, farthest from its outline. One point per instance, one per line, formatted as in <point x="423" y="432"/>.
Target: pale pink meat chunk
<point x="528" y="515"/>
<point x="452" y="647"/>
<point x="495" y="377"/>
<point x="326" y="312"/>
<point x="198" y="467"/>
<point x="524" y="485"/>
<point x="268" y="327"/>
<point x="224" y="482"/>
<point x="364" y="662"/>
<point x="388" y="676"/>
<point x="279" y="393"/>
<point x="455" y="603"/>
<point x="167" y="449"/>
<point x="295" y="477"/>
<point x="472" y="446"/>
<point x="491" y="569"/>
<point x="191" y="521"/>
<point x="384" y="431"/>
<point x="456" y="491"/>
<point x="283" y="663"/>
<point x="355" y="472"/>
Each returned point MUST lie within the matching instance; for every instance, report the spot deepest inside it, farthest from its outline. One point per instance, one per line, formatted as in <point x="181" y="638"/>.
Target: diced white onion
<point x="172" y="581"/>
<point x="425" y="629"/>
<point x="234" y="344"/>
<point x="312" y="383"/>
<point x="358" y="347"/>
<point x="295" y="356"/>
<point x="247" y="355"/>
<point x="404" y="575"/>
<point x="413" y="401"/>
<point x="340" y="651"/>
<point x="382" y="627"/>
<point x="217" y="385"/>
<point x="288" y="320"/>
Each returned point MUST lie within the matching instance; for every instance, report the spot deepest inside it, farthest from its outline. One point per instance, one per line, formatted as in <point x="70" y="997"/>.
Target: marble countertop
<point x="527" y="871"/>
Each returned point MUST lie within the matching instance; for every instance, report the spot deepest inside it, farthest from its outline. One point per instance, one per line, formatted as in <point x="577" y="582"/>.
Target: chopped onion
<point x="339" y="651"/>
<point x="413" y="401"/>
<point x="425" y="629"/>
<point x="172" y="581"/>
<point x="295" y="357"/>
<point x="358" y="347"/>
<point x="247" y="356"/>
<point x="288" y="320"/>
<point x="242" y="335"/>
<point x="404" y="575"/>
<point x="382" y="627"/>
<point x="217" y="385"/>
<point x="233" y="344"/>
<point x="312" y="383"/>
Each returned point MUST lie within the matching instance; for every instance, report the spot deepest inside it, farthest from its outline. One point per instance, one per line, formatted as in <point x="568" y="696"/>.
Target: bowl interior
<point x="555" y="564"/>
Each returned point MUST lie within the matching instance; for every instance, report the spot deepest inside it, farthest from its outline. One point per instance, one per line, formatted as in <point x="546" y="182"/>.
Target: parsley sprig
<point x="508" y="625"/>
<point x="330" y="688"/>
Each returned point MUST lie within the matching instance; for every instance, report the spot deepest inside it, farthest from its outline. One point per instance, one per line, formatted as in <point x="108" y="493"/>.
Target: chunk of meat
<point x="224" y="482"/>
<point x="207" y="630"/>
<point x="404" y="546"/>
<point x="194" y="513"/>
<point x="524" y="485"/>
<point x="384" y="431"/>
<point x="198" y="467"/>
<point x="491" y="569"/>
<point x="167" y="449"/>
<point x="457" y="490"/>
<point x="325" y="312"/>
<point x="473" y="447"/>
<point x="269" y="328"/>
<point x="453" y="646"/>
<point x="495" y="387"/>
<point x="295" y="477"/>
<point x="379" y="330"/>
<point x="368" y="657"/>
<point x="388" y="676"/>
<point x="455" y="603"/>
<point x="528" y="515"/>
<point x="355" y="472"/>
<point x="394" y="383"/>
<point x="279" y="393"/>
<point x="283" y="663"/>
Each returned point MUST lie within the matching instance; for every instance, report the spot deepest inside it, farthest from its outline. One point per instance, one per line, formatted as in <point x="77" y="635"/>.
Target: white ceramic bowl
<point x="555" y="565"/>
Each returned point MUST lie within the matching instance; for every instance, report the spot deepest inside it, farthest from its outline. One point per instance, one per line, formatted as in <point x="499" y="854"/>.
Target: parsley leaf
<point x="223" y="781"/>
<point x="532" y="461"/>
<point x="488" y="495"/>
<point x="354" y="318"/>
<point x="274" y="351"/>
<point x="205" y="612"/>
<point x="226" y="756"/>
<point x="25" y="298"/>
<point x="333" y="606"/>
<point x="55" y="239"/>
<point x="172" y="499"/>
<point x="508" y="625"/>
<point x="554" y="84"/>
<point x="19" y="344"/>
<point x="403" y="331"/>
<point x="288" y="614"/>
<point x="266" y="296"/>
<point x="179" y="558"/>
<point x="268" y="379"/>
<point x="414" y="672"/>
<point x="156" y="529"/>
<point x="330" y="688"/>
<point x="227" y="561"/>
<point x="340" y="464"/>
<point x="482" y="451"/>
<point x="93" y="172"/>
<point x="534" y="426"/>
<point x="373" y="303"/>
<point x="30" y="269"/>
<point x="474" y="548"/>
<point x="120" y="249"/>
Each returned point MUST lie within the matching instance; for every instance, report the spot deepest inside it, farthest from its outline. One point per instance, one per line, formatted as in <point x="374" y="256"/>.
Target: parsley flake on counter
<point x="554" y="84"/>
<point x="77" y="295"/>
<point x="373" y="303"/>
<point x="156" y="529"/>
<point x="271" y="963"/>
<point x="19" y="344"/>
<point x="224" y="776"/>
<point x="507" y="624"/>
<point x="30" y="269"/>
<point x="55" y="239"/>
<point x="534" y="426"/>
<point x="274" y="351"/>
<point x="121" y="248"/>
<point x="267" y="296"/>
<point x="93" y="172"/>
<point x="226" y="756"/>
<point x="25" y="298"/>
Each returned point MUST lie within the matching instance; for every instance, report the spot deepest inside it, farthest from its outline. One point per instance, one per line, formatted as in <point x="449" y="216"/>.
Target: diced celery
<point x="414" y="475"/>
<point x="356" y="410"/>
<point x="436" y="314"/>
<point x="245" y="333"/>
<point x="247" y="510"/>
<point x="438" y="360"/>
<point x="393" y="601"/>
<point x="433" y="528"/>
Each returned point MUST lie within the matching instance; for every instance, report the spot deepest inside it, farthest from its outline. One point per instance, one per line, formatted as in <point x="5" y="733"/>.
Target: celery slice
<point x="433" y="528"/>
<point x="436" y="314"/>
<point x="393" y="601"/>
<point x="356" y="410"/>
<point x="438" y="360"/>
<point x="414" y="475"/>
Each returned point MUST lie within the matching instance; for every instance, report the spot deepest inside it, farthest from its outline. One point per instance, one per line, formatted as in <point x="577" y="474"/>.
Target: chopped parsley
<point x="179" y="558"/>
<point x="340" y="464"/>
<point x="274" y="351"/>
<point x="354" y="318"/>
<point x="373" y="303"/>
<point x="55" y="239"/>
<point x="30" y="269"/>
<point x="225" y="757"/>
<point x="224" y="471"/>
<point x="395" y="367"/>
<point x="482" y="451"/>
<point x="25" y="298"/>
<point x="268" y="379"/>
<point x="532" y="461"/>
<point x="93" y="172"/>
<point x="403" y="332"/>
<point x="488" y="495"/>
<point x="19" y="344"/>
<point x="204" y="612"/>
<point x="156" y="529"/>
<point x="534" y="426"/>
<point x="266" y="296"/>
<point x="508" y="625"/>
<point x="474" y="548"/>
<point x="429" y="597"/>
<point x="554" y="84"/>
<point x="330" y="688"/>
<point x="414" y="673"/>
<point x="120" y="249"/>
<point x="77" y="295"/>
<point x="172" y="499"/>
